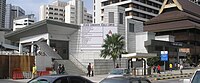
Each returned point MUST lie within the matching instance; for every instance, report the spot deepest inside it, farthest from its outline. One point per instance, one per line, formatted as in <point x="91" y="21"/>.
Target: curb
<point x="169" y="75"/>
<point x="172" y="77"/>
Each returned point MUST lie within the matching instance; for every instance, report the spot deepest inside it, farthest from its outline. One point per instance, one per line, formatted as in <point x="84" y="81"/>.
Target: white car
<point x="118" y="72"/>
<point x="195" y="78"/>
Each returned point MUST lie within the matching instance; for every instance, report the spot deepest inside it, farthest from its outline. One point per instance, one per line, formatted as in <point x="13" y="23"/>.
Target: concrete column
<point x="20" y="48"/>
<point x="48" y="42"/>
<point x="32" y="48"/>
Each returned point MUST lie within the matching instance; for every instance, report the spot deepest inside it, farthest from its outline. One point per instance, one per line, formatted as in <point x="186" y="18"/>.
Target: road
<point x="168" y="81"/>
<point x="162" y="81"/>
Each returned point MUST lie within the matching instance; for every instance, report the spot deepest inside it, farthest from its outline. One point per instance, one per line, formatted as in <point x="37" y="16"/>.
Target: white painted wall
<point x="141" y="37"/>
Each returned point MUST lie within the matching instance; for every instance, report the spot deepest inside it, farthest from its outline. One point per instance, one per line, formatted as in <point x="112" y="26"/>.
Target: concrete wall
<point x="104" y="66"/>
<point x="141" y="37"/>
<point x="42" y="62"/>
<point x="130" y="36"/>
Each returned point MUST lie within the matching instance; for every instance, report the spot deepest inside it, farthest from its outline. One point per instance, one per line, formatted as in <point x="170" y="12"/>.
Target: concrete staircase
<point x="48" y="50"/>
<point x="70" y="67"/>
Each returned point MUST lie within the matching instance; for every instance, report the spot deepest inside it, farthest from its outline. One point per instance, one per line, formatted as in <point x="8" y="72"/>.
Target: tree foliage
<point x="154" y="61"/>
<point x="112" y="47"/>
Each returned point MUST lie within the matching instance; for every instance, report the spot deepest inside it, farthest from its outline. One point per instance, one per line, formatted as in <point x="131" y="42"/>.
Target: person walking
<point x="181" y="69"/>
<point x="89" y="68"/>
<point x="154" y="69"/>
<point x="170" y="67"/>
<point x="34" y="71"/>
<point x="59" y="69"/>
<point x="117" y="66"/>
<point x="62" y="69"/>
<point x="92" y="70"/>
<point x="158" y="69"/>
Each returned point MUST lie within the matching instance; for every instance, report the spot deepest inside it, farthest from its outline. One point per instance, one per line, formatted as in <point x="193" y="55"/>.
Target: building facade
<point x="70" y="12"/>
<point x="2" y="13"/>
<point x="141" y="10"/>
<point x="11" y="13"/>
<point x="23" y="21"/>
<point x="179" y="18"/>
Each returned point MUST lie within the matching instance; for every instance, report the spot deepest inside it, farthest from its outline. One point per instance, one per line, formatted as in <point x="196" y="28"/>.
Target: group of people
<point x="158" y="68"/>
<point x="61" y="69"/>
<point x="90" y="69"/>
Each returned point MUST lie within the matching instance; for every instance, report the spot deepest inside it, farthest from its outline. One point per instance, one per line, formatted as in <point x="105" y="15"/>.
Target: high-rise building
<point x="12" y="12"/>
<point x="70" y="12"/>
<point x="140" y="10"/>
<point x="2" y="12"/>
<point x="23" y="21"/>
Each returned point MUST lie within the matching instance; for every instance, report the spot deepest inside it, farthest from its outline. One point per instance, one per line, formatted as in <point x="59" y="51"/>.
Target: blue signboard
<point x="164" y="56"/>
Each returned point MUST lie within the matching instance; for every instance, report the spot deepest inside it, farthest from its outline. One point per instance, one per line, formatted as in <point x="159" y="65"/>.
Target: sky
<point x="32" y="6"/>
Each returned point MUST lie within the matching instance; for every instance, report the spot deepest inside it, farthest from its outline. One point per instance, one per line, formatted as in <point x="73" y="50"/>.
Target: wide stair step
<point x="70" y="67"/>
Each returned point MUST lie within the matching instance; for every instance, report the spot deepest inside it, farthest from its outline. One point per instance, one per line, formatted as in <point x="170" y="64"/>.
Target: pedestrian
<point x="158" y="69"/>
<point x="181" y="69"/>
<point x="117" y="66"/>
<point x="62" y="69"/>
<point x="154" y="69"/>
<point x="92" y="70"/>
<point x="59" y="69"/>
<point x="34" y="71"/>
<point x="170" y="67"/>
<point x="89" y="68"/>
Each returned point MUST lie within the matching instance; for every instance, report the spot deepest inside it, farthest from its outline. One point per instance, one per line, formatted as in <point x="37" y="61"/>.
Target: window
<point x="60" y="18"/>
<point x="131" y="27"/>
<point x="55" y="13"/>
<point x="18" y="24"/>
<point x="56" y="18"/>
<point x="94" y="14"/>
<point x="76" y="80"/>
<point x="120" y="18"/>
<point x="31" y="20"/>
<point x="50" y="8"/>
<point x="56" y="9"/>
<point x="62" y="80"/>
<point x="61" y="14"/>
<point x="145" y="81"/>
<point x="25" y="23"/>
<point x="25" y="20"/>
<point x="50" y="17"/>
<point x="50" y="12"/>
<point x="111" y="17"/>
<point x="61" y="10"/>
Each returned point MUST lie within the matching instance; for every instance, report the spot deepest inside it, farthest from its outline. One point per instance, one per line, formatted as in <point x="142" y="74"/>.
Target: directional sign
<point x="164" y="56"/>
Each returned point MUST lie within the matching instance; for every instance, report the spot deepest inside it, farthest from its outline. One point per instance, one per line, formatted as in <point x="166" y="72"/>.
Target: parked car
<point x="60" y="79"/>
<point x="195" y="78"/>
<point x="125" y="79"/>
<point x="118" y="72"/>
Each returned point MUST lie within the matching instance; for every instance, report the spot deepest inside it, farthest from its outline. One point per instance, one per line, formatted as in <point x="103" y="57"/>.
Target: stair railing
<point x="78" y="63"/>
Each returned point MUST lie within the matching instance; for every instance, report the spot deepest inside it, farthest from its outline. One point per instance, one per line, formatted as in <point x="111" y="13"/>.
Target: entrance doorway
<point x="61" y="47"/>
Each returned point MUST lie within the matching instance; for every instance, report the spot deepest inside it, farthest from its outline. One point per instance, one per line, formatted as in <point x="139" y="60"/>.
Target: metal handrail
<point x="77" y="63"/>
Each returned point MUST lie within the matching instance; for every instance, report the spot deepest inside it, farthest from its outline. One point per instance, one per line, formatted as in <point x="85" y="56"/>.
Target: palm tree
<point x="113" y="47"/>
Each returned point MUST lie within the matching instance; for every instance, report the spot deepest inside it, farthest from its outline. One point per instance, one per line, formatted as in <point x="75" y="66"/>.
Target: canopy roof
<point x="139" y="55"/>
<point x="42" y="27"/>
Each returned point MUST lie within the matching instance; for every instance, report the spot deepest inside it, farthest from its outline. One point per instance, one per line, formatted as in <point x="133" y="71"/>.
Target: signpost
<point x="164" y="57"/>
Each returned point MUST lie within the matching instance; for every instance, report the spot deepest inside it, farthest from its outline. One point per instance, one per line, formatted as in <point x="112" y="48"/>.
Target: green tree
<point x="112" y="47"/>
<point x="154" y="61"/>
